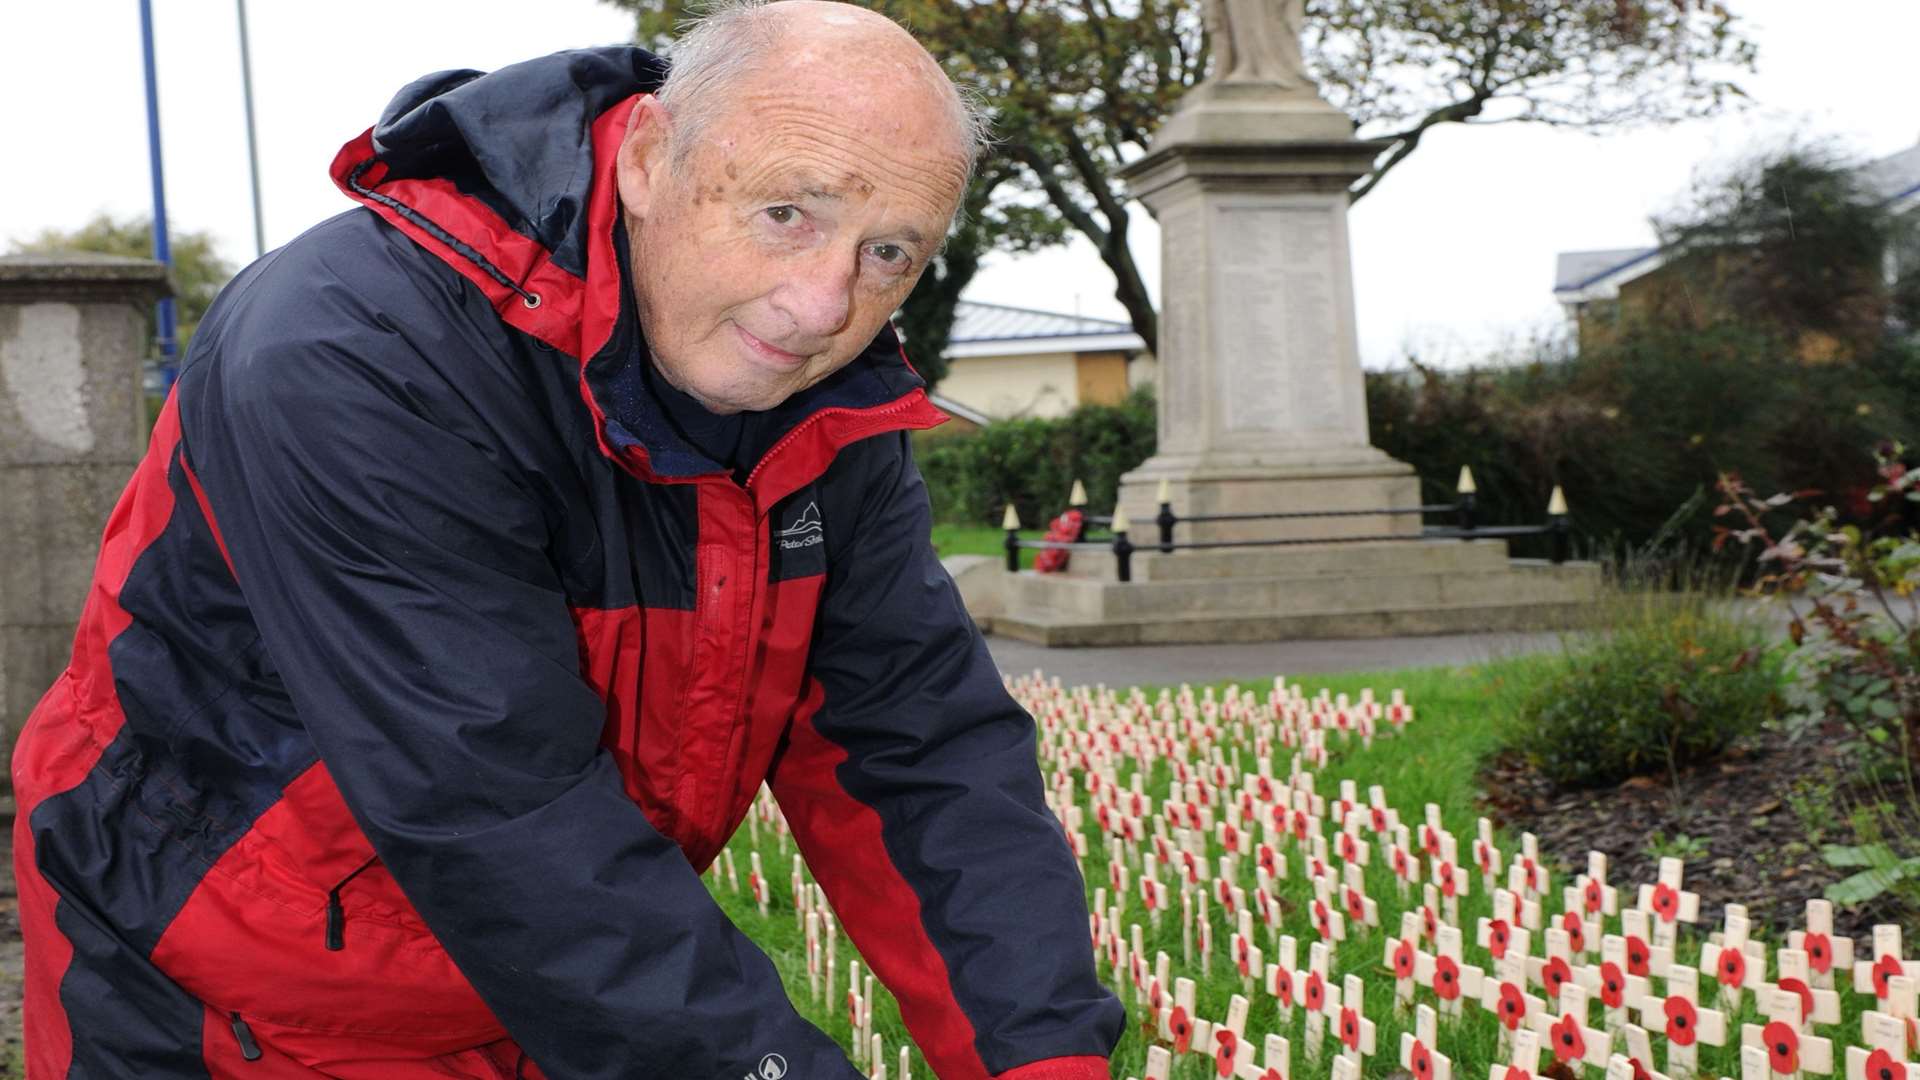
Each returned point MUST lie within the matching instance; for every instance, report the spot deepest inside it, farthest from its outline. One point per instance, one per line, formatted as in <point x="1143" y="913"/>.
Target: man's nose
<point x="819" y="295"/>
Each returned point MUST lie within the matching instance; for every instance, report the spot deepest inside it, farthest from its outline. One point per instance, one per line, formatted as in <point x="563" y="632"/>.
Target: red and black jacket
<point x="425" y="667"/>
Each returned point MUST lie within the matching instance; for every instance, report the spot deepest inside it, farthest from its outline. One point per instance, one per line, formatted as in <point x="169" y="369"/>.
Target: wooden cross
<point x="1639" y="1054"/>
<point x="1668" y="902"/>
<point x="757" y="882"/>
<point x="1232" y="1053"/>
<point x="1532" y="877"/>
<point x="1523" y="1060"/>
<point x="1567" y="1035"/>
<point x="1785" y="1049"/>
<point x="1505" y="995"/>
<point x="1619" y="992"/>
<point x="1159" y="1063"/>
<point x="1276" y="1059"/>
<point x="1451" y="877"/>
<point x="1356" y="1032"/>
<point x="1686" y="1023"/>
<point x="1283" y="979"/>
<point x="1351" y="848"/>
<point x="1402" y="958"/>
<point x="1246" y="955"/>
<point x="1179" y="1027"/>
<point x="1735" y="961"/>
<point x="1418" y="1053"/>
<point x="1817" y="1004"/>
<point x="1590" y="894"/>
<point x="1874" y="977"/>
<point x="1504" y="934"/>
<point x="1319" y="999"/>
<point x="1643" y="958"/>
<point x="1553" y="971"/>
<point x="1825" y="950"/>
<point x="1487" y="857"/>
<point x="1885" y="1057"/>
<point x="1360" y="907"/>
<point x="1451" y="980"/>
<point x="1583" y="932"/>
<point x="1327" y="920"/>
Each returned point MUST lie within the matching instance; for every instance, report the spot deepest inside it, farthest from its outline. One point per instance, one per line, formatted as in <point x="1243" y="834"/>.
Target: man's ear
<point x="641" y="163"/>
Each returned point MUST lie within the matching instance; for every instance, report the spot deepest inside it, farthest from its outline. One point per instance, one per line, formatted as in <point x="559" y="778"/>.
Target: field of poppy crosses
<point x="1274" y="895"/>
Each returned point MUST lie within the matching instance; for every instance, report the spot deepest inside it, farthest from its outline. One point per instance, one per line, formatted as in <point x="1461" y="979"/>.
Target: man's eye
<point x="891" y="254"/>
<point x="782" y="215"/>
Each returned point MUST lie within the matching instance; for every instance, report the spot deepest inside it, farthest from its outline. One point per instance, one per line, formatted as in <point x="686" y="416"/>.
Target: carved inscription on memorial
<point x="1277" y="320"/>
<point x="1183" y="344"/>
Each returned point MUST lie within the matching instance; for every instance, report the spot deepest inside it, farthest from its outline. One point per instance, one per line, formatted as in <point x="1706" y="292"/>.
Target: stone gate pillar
<point x="73" y="330"/>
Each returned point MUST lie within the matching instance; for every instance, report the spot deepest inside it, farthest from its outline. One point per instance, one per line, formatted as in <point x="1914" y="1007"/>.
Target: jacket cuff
<point x="1066" y="1068"/>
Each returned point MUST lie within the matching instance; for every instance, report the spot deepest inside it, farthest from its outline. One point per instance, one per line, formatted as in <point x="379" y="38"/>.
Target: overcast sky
<point x="1453" y="255"/>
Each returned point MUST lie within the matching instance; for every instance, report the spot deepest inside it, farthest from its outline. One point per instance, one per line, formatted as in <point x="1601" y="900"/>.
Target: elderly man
<point x="499" y="540"/>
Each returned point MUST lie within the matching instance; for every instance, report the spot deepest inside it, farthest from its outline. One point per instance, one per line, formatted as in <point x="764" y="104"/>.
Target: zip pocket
<point x="337" y="914"/>
<point x="242" y="1034"/>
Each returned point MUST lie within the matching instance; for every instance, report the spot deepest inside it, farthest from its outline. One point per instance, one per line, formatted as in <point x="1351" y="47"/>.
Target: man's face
<point x="769" y="256"/>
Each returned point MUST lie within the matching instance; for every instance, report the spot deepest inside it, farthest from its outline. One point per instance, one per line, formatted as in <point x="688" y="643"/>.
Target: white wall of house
<point x="1037" y="385"/>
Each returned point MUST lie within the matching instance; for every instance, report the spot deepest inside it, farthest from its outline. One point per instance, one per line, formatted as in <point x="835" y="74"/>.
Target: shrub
<point x="1033" y="463"/>
<point x="1670" y="683"/>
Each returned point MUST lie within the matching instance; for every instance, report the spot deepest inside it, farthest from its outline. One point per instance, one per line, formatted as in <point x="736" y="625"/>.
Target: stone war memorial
<point x="1261" y="405"/>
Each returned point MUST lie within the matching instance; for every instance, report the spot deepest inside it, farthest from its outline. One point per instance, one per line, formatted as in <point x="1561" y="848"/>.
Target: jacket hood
<point x="508" y="177"/>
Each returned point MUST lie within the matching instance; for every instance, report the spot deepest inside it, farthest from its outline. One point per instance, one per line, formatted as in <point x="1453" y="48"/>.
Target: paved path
<point x="1129" y="665"/>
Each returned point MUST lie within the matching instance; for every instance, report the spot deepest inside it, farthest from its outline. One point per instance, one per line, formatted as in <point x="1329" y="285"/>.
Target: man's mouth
<point x="773" y="354"/>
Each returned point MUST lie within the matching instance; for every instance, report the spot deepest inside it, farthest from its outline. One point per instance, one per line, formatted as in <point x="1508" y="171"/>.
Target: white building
<point x="1006" y="362"/>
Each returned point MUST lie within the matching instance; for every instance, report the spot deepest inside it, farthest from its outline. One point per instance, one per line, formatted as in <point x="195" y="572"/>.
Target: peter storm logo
<point x="804" y="531"/>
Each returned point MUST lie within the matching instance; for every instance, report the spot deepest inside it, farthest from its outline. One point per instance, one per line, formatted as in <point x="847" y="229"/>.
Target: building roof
<point x="1001" y="330"/>
<point x="1597" y="275"/>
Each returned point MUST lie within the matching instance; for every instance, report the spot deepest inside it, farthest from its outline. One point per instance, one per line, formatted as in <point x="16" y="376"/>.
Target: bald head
<point x="838" y="50"/>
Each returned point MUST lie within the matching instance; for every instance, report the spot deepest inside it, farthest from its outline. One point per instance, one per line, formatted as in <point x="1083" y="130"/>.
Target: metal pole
<point x="1123" y="555"/>
<point x="162" y="251"/>
<point x="253" y="149"/>
<point x="1166" y="520"/>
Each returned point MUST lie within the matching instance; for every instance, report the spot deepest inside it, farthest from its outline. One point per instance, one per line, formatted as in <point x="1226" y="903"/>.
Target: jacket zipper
<point x="899" y="405"/>
<point x="242" y="1034"/>
<point x="336" y="914"/>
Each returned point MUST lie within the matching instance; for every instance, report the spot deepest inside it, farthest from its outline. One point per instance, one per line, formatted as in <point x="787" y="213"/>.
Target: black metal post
<point x="1013" y="551"/>
<point x="1562" y="534"/>
<point x="1166" y="520"/>
<point x="1123" y="555"/>
<point x="1466" y="505"/>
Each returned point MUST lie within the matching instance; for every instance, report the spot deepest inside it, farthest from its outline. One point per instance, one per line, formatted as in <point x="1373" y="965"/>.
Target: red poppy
<point x="1322" y="919"/>
<point x="1182" y="1029"/>
<point x="1576" y="931"/>
<point x="1155" y="996"/>
<point x="1430" y="840"/>
<point x="1448" y="887"/>
<point x="1379" y="820"/>
<point x="1783" y="1047"/>
<point x="1283" y="986"/>
<point x="1356" y="906"/>
<point x="1399" y="862"/>
<point x="1241" y="956"/>
<point x="1349" y="847"/>
<point x="1666" y="902"/>
<point x="1499" y="936"/>
<point x="1613" y="985"/>
<point x="1268" y="861"/>
<point x="1223" y="1058"/>
<point x="1639" y="958"/>
<point x="1732" y="968"/>
<point x="1513" y="1006"/>
<point x="1819" y="952"/>
<point x="1403" y="960"/>
<point x="1639" y="1071"/>
<point x="1316" y="869"/>
<point x="1883" y="1066"/>
<point x="1300" y="824"/>
<point x="1429" y="922"/>
<point x="1483" y="854"/>
<point x="1593" y="896"/>
<point x="1805" y="993"/>
<point x="1350" y="1028"/>
<point x="1554" y="975"/>
<point x="1569" y="1043"/>
<point x="1316" y="991"/>
<point x="1887" y="967"/>
<point x="853" y="1011"/>
<point x="1682" y="1020"/>
<point x="1533" y="874"/>
<point x="1422" y="1061"/>
<point x="1515" y="1072"/>
<point x="1272" y="1074"/>
<point x="1446" y="978"/>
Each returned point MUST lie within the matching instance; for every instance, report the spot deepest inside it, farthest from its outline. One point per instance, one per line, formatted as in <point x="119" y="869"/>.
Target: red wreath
<point x="1065" y="529"/>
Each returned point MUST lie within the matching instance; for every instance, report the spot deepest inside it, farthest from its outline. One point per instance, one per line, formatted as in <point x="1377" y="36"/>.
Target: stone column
<point x="1262" y="406"/>
<point x="73" y="330"/>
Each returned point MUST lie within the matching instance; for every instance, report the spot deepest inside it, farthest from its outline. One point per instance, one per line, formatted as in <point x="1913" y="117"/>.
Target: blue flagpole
<point x="169" y="365"/>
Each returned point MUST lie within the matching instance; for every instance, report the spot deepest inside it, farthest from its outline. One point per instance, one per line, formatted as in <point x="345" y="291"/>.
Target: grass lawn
<point x="981" y="540"/>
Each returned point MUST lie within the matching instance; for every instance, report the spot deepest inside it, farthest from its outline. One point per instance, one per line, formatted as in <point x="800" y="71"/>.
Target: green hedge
<point x="1033" y="463"/>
